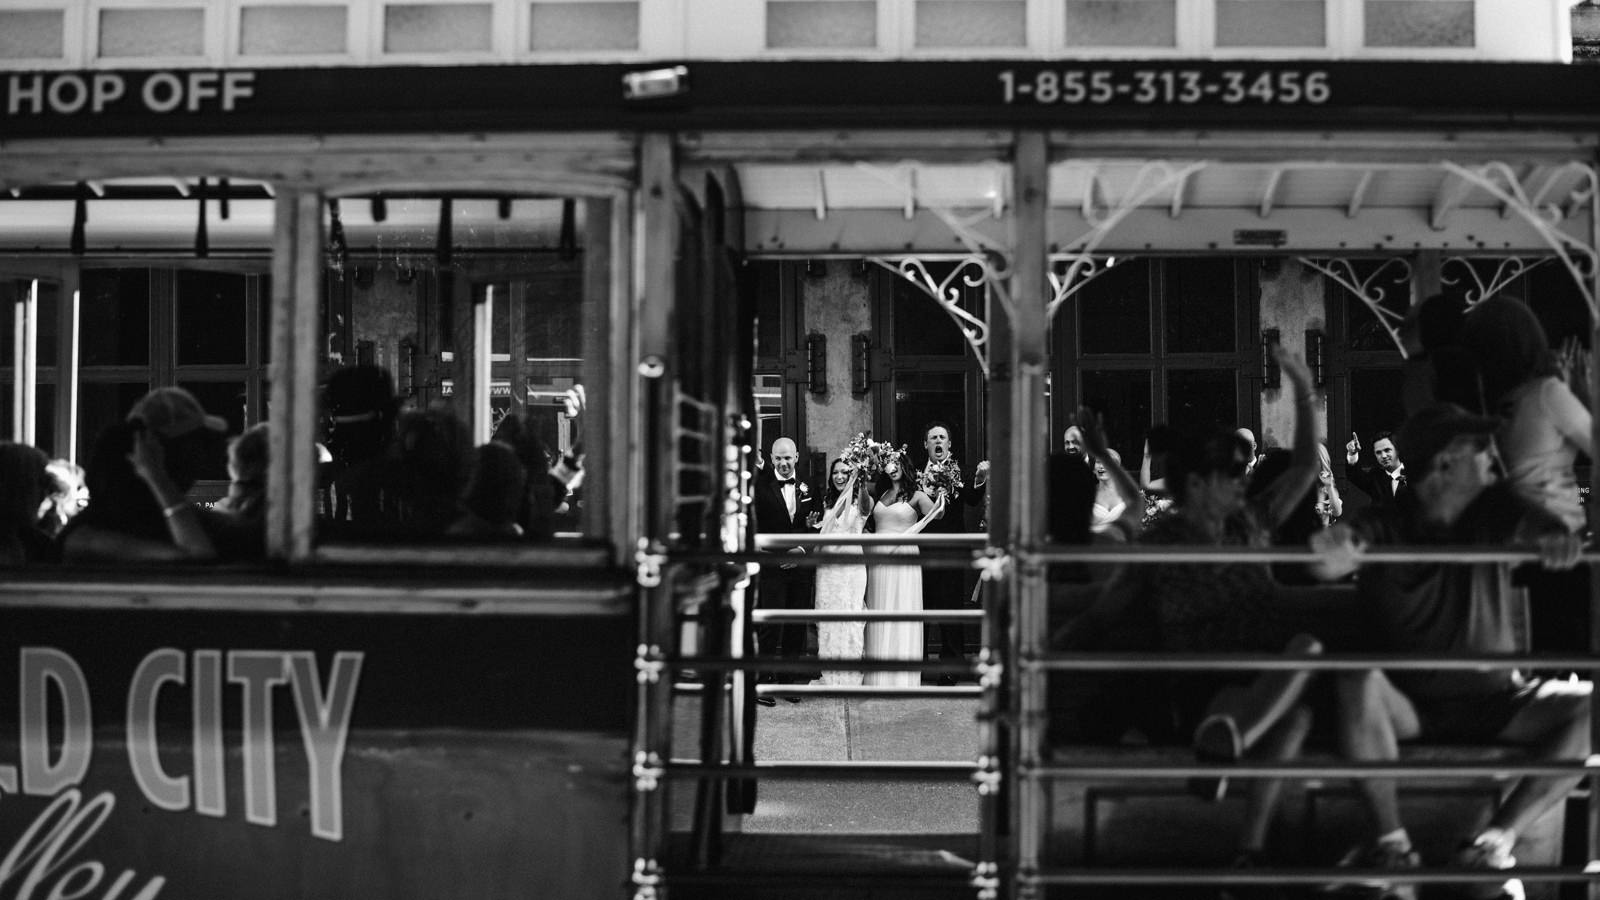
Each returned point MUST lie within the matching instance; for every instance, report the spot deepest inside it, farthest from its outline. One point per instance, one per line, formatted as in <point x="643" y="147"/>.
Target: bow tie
<point x="786" y="481"/>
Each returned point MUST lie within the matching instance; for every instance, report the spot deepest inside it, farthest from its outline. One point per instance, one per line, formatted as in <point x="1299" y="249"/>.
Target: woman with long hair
<point x="842" y="588"/>
<point x="900" y="509"/>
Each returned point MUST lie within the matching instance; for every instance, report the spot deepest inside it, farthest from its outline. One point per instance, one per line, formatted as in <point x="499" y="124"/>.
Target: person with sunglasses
<point x="1225" y="607"/>
<point x="1456" y="608"/>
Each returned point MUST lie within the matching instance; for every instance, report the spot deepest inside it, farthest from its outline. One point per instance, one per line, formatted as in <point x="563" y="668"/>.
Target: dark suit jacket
<point x="955" y="510"/>
<point x="772" y="514"/>
<point x="1374" y="482"/>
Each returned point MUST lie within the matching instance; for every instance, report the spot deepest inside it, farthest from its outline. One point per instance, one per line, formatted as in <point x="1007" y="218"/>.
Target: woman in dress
<point x="842" y="587"/>
<point x="901" y="509"/>
<point x="1109" y="504"/>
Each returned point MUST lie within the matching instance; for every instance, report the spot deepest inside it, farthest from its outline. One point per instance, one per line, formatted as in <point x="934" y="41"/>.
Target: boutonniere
<point x="803" y="489"/>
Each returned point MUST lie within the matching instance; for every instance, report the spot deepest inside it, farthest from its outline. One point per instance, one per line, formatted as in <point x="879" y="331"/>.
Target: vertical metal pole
<point x="67" y="383"/>
<point x="297" y="274"/>
<point x="482" y="344"/>
<point x="1030" y="366"/>
<point x="30" y="366"/>
<point x="19" y="329"/>
<point x="1592" y="819"/>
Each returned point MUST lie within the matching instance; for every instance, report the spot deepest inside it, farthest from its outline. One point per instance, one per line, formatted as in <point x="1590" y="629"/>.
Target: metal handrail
<point x="1089" y="771"/>
<point x="1202" y="553"/>
<point x="1166" y="662"/>
<point x="1300" y="875"/>
<point x="824" y="769"/>
<point x="970" y="539"/>
<point x="866" y="615"/>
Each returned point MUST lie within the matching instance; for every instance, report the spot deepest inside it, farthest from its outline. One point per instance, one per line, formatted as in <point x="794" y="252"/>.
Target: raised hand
<point x="1094" y="432"/>
<point x="1352" y="450"/>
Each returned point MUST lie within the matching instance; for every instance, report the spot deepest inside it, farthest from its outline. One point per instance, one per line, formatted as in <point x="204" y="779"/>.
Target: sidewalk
<point x="825" y="728"/>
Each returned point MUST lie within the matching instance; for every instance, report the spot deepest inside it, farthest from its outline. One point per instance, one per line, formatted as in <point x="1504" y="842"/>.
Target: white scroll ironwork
<point x="1367" y="290"/>
<point x="1508" y="270"/>
<point x="1152" y="178"/>
<point x="1498" y="180"/>
<point x="1082" y="268"/>
<point x="981" y="270"/>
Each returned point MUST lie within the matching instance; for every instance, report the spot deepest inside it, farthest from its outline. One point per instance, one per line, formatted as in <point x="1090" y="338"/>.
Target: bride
<point x="901" y="509"/>
<point x="842" y="587"/>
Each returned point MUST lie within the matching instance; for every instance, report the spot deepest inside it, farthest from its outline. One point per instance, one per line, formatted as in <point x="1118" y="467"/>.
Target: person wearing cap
<point x="139" y="474"/>
<point x="1457" y="608"/>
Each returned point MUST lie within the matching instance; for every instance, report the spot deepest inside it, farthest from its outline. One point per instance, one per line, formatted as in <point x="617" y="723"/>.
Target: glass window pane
<point x="219" y="398"/>
<point x="972" y="23"/>
<point x="283" y="30"/>
<point x="921" y="326"/>
<point x="114" y="317"/>
<point x="102" y="404"/>
<point x="1419" y="23"/>
<point x="1122" y="397"/>
<point x="210" y="318"/>
<point x="769" y="409"/>
<point x="152" y="32"/>
<point x="803" y="24"/>
<point x="1114" y="310"/>
<point x="769" y="306"/>
<point x="583" y="26"/>
<point x="44" y="416"/>
<point x="1272" y="23"/>
<point x="1375" y="406"/>
<point x="1122" y="23"/>
<point x="554" y="315"/>
<point x="438" y="28"/>
<point x="1558" y="303"/>
<point x="1200" y="305"/>
<point x="32" y="34"/>
<point x="398" y="404"/>
<point x="45" y="323"/>
<point x="924" y="397"/>
<point x="1202" y="399"/>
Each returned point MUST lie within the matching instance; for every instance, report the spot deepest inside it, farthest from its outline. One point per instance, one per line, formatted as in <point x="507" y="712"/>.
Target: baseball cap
<point x="172" y="412"/>
<point x="1432" y="428"/>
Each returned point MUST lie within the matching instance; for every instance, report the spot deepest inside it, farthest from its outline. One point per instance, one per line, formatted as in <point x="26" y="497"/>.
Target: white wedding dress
<point x="841" y="588"/>
<point x="896" y="588"/>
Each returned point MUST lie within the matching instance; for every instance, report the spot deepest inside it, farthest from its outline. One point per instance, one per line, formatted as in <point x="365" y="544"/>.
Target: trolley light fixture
<point x="655" y="84"/>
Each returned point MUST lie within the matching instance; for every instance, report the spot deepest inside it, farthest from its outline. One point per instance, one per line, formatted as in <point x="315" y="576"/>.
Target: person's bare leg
<point x="1555" y="726"/>
<point x="1256" y="708"/>
<point x="1281" y="743"/>
<point x="1373" y="717"/>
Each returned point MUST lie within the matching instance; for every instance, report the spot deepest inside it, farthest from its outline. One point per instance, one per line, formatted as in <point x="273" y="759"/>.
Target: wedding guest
<point x="68" y="496"/>
<point x="545" y="486"/>
<point x="24" y="485"/>
<point x="842" y="588"/>
<point x="949" y="588"/>
<point x="783" y="505"/>
<point x="138" y="475"/>
<point x="494" y="495"/>
<point x="1384" y="484"/>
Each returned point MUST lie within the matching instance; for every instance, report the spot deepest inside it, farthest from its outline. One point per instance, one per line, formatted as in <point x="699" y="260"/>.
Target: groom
<point x="948" y="588"/>
<point x="783" y="503"/>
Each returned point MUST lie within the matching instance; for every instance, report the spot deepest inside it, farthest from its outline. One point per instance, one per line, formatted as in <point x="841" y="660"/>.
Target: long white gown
<point x="841" y="588"/>
<point x="897" y="588"/>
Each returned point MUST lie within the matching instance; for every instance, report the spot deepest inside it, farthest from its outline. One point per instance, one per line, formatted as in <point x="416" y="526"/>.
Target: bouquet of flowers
<point x="868" y="457"/>
<point x="942" y="479"/>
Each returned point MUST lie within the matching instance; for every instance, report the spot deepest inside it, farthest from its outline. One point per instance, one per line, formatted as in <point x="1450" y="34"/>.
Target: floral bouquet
<point x="942" y="479"/>
<point x="859" y="455"/>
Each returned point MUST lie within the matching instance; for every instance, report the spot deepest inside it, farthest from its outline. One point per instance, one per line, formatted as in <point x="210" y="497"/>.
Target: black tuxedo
<point x="950" y="588"/>
<point x="781" y="588"/>
<point x="1375" y="483"/>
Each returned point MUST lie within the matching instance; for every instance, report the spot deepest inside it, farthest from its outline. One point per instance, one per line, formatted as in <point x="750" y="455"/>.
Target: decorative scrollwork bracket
<point x="978" y="270"/>
<point x="1367" y="290"/>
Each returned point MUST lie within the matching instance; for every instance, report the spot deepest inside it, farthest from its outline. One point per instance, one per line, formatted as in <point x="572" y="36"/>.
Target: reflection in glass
<point x="923" y="328"/>
<point x="102" y="404"/>
<point x="47" y="317"/>
<point x="1199" y="299"/>
<point x="210" y="318"/>
<point x="115" y="317"/>
<point x="1114" y="310"/>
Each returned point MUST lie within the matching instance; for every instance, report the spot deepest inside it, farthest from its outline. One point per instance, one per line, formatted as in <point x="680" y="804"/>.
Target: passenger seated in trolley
<point x="1460" y="498"/>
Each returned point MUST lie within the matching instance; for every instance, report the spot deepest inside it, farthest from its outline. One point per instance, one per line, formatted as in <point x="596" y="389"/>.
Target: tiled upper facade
<point x="43" y="34"/>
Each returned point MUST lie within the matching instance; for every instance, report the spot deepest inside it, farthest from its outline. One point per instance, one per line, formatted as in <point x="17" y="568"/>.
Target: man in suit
<point x="948" y="588"/>
<point x="1386" y="483"/>
<point x="783" y="505"/>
